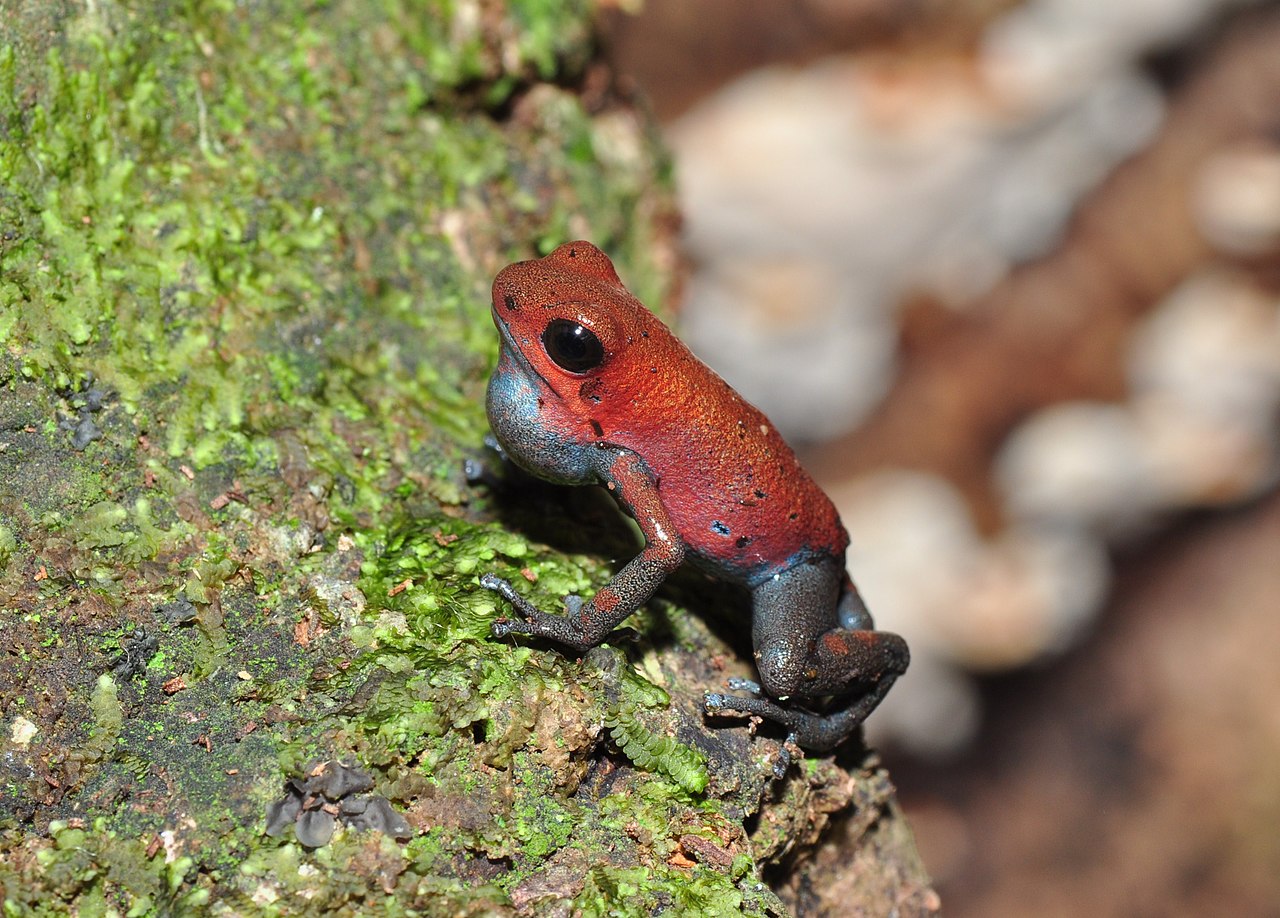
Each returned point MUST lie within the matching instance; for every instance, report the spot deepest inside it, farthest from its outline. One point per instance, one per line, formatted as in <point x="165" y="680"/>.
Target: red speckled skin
<point x="704" y="473"/>
<point x="716" y="459"/>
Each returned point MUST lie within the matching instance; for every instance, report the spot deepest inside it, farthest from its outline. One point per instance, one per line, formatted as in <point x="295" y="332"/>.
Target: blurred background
<point x="1008" y="275"/>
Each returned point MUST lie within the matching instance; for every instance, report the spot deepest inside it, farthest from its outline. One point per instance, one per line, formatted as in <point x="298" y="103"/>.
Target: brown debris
<point x="174" y="685"/>
<point x="400" y="587"/>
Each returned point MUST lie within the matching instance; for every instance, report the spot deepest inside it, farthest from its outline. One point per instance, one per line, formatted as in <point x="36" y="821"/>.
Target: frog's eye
<point x="572" y="346"/>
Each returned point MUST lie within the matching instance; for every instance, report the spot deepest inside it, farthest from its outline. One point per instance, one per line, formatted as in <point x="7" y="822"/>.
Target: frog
<point x="591" y="388"/>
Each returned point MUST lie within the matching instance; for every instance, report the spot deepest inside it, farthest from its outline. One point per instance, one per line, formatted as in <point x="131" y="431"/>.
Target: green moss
<point x="102" y="872"/>
<point x="108" y="717"/>
<point x="621" y="893"/>
<point x="8" y="544"/>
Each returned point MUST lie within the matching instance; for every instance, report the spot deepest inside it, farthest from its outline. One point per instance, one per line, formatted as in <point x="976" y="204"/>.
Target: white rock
<point x="22" y="732"/>
<point x="1213" y="348"/>
<point x="1078" y="465"/>
<point x="1236" y="200"/>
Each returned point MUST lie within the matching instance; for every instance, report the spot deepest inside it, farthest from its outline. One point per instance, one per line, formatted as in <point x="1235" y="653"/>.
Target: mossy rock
<point x="245" y="251"/>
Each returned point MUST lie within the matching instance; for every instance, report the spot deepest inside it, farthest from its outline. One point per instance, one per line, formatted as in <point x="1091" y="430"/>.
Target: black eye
<point x="572" y="346"/>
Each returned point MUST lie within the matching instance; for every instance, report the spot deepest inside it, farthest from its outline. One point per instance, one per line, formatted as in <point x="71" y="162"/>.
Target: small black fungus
<point x="87" y="402"/>
<point x="332" y="793"/>
<point x="84" y="432"/>
<point x="719" y="528"/>
<point x="314" y="828"/>
<point x="133" y="657"/>
<point x="337" y="781"/>
<point x="282" y="814"/>
<point x="363" y="813"/>
<point x="94" y="399"/>
<point x="179" y="612"/>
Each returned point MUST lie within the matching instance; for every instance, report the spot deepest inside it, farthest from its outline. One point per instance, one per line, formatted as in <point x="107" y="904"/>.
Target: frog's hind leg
<point x="809" y="730"/>
<point x="803" y="651"/>
<point x="853" y="612"/>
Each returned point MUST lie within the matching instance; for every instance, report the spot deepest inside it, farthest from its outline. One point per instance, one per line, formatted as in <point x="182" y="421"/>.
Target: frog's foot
<point x="715" y="703"/>
<point x="533" y="621"/>
<point x="815" y="732"/>
<point x="487" y="470"/>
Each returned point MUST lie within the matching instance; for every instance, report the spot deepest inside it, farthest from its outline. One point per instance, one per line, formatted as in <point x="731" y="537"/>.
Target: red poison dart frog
<point x="591" y="388"/>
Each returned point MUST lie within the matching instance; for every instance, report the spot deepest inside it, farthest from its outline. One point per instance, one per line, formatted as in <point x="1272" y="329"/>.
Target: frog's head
<point x="569" y="320"/>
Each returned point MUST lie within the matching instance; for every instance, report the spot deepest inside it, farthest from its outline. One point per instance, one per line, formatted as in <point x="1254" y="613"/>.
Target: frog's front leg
<point x="804" y="650"/>
<point x="587" y="624"/>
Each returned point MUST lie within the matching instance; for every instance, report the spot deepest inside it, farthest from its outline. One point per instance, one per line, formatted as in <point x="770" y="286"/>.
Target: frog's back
<point x="733" y="488"/>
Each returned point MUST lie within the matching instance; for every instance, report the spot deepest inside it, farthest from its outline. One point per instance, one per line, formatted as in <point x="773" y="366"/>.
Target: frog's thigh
<point x="790" y="613"/>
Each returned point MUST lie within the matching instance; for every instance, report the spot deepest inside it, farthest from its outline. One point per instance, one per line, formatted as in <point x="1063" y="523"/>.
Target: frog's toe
<point x="739" y="684"/>
<point x="492" y="581"/>
<point x="521" y="606"/>
<point x="504" y="626"/>
<point x="714" y="702"/>
<point x="788" y="753"/>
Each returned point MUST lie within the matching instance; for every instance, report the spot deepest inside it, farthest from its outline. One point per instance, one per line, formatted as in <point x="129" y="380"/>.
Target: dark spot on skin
<point x="541" y="403"/>
<point x="653" y="369"/>
<point x="596" y="428"/>
<point x="760" y="495"/>
<point x="743" y="541"/>
<point x="573" y="253"/>
<point x="793" y="516"/>
<point x="510" y="302"/>
<point x="644" y="334"/>
<point x="589" y="389"/>
<point x="719" y="528"/>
